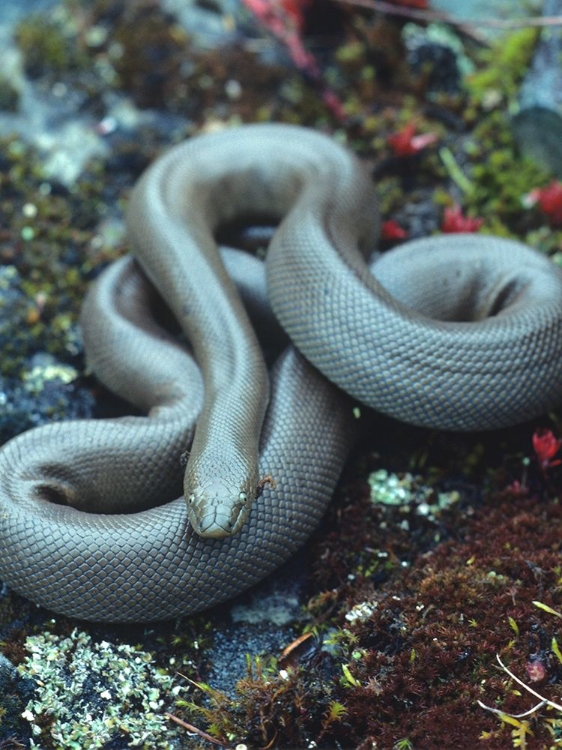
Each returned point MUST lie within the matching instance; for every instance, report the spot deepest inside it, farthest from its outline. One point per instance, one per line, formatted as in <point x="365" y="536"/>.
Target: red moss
<point x="430" y="645"/>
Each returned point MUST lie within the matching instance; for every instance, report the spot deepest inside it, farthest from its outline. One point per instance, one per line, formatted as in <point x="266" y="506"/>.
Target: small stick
<point x="268" y="479"/>
<point x="427" y="15"/>
<point x="200" y="732"/>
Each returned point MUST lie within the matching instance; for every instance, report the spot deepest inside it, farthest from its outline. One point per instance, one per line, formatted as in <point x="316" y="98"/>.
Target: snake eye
<point x="191" y="499"/>
<point x="243" y="498"/>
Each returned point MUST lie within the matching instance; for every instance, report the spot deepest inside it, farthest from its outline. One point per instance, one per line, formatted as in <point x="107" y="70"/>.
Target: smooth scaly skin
<point x="149" y="564"/>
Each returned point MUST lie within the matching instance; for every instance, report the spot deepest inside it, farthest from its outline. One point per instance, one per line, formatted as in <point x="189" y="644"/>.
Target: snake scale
<point x="460" y="332"/>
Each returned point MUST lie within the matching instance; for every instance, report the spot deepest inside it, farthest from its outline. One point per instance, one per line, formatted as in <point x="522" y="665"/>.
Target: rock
<point x="15" y="692"/>
<point x="538" y="123"/>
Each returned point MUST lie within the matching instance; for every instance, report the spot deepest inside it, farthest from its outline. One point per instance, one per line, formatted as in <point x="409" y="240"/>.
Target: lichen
<point x="390" y="489"/>
<point x="90" y="693"/>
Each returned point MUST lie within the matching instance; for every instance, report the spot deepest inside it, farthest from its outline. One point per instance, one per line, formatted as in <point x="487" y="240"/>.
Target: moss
<point x="271" y="706"/>
<point x="148" y="50"/>
<point x="499" y="177"/>
<point x="427" y="644"/>
<point x="411" y="608"/>
<point x="47" y="245"/>
<point x="502" y="67"/>
<point x="49" y="46"/>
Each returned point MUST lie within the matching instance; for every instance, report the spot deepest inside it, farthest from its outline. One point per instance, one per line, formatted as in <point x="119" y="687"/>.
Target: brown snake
<point x="460" y="332"/>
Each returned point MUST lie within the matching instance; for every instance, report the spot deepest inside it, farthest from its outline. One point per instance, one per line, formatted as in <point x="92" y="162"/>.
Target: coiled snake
<point x="460" y="332"/>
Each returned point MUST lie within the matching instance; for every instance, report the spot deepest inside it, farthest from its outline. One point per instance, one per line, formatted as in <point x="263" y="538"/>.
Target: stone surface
<point x="538" y="124"/>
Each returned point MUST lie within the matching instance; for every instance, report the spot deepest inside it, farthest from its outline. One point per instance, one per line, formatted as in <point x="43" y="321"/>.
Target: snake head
<point x="215" y="510"/>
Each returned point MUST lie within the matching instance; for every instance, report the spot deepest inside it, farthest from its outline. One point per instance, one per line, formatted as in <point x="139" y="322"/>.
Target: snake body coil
<point x="459" y="332"/>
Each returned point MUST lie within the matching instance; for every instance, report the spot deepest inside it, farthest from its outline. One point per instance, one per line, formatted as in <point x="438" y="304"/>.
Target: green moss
<point x="48" y="246"/>
<point x="350" y="53"/>
<point x="500" y="176"/>
<point x="272" y="707"/>
<point x="502" y="66"/>
<point x="48" y="47"/>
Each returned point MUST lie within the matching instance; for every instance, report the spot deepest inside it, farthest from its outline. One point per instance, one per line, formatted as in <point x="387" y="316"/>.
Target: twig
<point x="200" y="732"/>
<point x="499" y="712"/>
<point x="428" y="15"/>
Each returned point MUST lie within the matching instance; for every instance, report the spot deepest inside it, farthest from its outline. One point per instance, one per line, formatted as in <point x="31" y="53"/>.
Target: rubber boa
<point x="459" y="332"/>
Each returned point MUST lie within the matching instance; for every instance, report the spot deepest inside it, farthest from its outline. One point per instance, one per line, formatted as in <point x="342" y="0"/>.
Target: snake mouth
<point x="215" y="510"/>
<point x="215" y="525"/>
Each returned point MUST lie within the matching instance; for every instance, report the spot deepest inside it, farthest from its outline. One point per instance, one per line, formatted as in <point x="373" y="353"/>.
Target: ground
<point x="439" y="559"/>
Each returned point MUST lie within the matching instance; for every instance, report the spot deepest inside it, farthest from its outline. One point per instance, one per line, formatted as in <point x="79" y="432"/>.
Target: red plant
<point x="422" y="4"/>
<point x="549" y="199"/>
<point x="295" y="9"/>
<point x="285" y="20"/>
<point x="454" y="221"/>
<point x="405" y="142"/>
<point x="536" y="670"/>
<point x="546" y="446"/>
<point x="391" y="230"/>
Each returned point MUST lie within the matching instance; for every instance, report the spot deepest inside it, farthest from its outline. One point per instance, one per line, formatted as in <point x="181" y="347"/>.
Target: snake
<point x="101" y="519"/>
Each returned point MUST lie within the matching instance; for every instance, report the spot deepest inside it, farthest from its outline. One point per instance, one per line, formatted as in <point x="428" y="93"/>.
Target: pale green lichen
<point x="407" y="489"/>
<point x="444" y="35"/>
<point x="97" y="692"/>
<point x="389" y="489"/>
<point x="47" y="369"/>
<point x="361" y="612"/>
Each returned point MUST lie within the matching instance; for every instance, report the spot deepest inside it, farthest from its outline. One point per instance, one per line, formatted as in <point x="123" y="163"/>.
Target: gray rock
<point x="473" y="11"/>
<point x="15" y="692"/>
<point x="8" y="672"/>
<point x="538" y="123"/>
